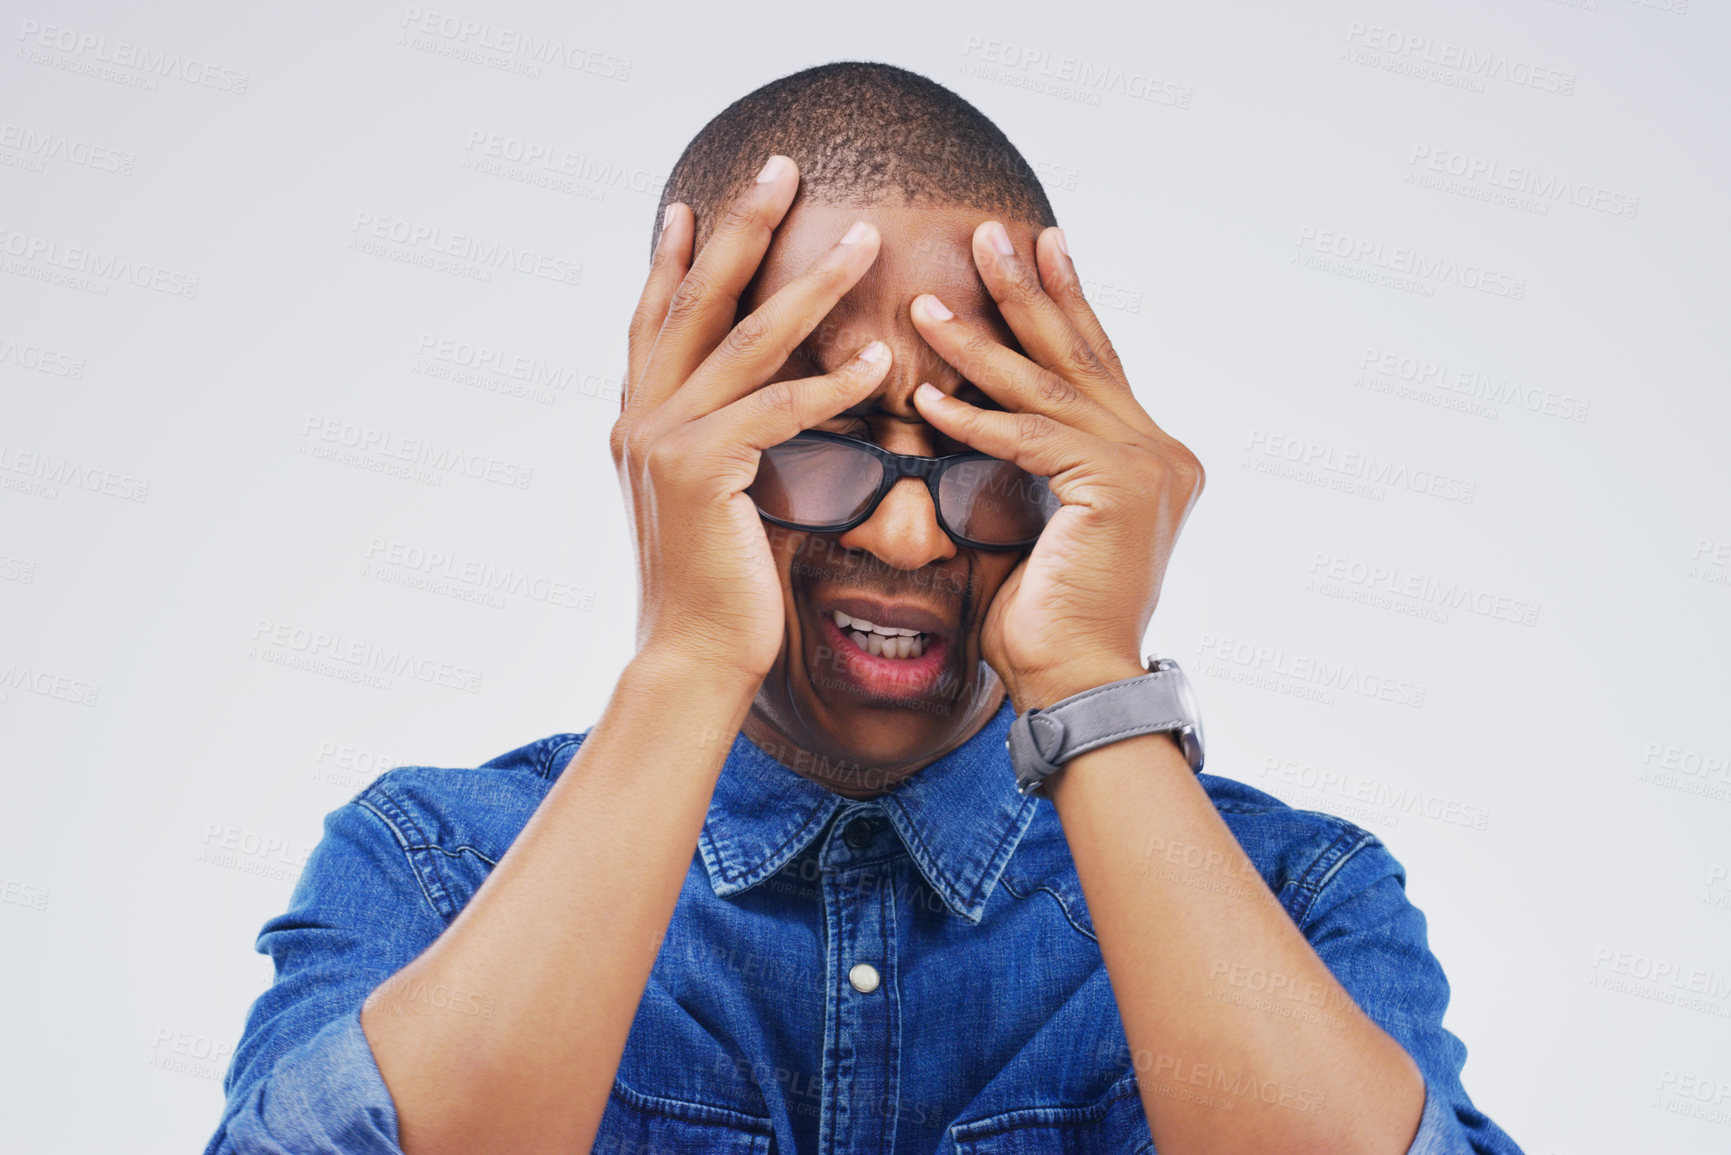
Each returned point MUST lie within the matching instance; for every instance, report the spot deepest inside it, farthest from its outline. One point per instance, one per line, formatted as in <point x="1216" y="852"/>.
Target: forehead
<point x="923" y="249"/>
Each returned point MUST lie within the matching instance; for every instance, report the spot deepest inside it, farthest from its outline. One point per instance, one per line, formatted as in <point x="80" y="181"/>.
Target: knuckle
<point x="1033" y="426"/>
<point x="1191" y="471"/>
<point x="1054" y="390"/>
<point x="1108" y="352"/>
<point x="977" y="344"/>
<point x="778" y="399"/>
<point x="1081" y="353"/>
<point x="1180" y="469"/>
<point x="636" y="442"/>
<point x="664" y="457"/>
<point x="693" y="289"/>
<point x="754" y="332"/>
<point x="1022" y="284"/>
<point x="740" y="215"/>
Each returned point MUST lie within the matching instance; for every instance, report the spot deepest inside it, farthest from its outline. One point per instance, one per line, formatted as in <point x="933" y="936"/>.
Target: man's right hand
<point x="697" y="415"/>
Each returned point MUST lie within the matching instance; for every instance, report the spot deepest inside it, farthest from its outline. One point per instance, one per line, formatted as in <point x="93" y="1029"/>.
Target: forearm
<point x="1179" y="910"/>
<point x="563" y="934"/>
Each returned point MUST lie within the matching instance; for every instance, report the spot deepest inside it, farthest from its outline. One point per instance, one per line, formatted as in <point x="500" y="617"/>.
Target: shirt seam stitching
<point x="1323" y="870"/>
<point x="1010" y="885"/>
<point x="403" y="846"/>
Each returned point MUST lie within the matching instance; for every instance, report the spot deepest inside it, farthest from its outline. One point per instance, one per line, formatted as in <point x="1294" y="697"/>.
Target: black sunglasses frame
<point x="897" y="466"/>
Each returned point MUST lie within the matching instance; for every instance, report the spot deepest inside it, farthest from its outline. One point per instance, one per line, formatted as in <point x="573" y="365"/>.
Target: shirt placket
<point x="862" y="1017"/>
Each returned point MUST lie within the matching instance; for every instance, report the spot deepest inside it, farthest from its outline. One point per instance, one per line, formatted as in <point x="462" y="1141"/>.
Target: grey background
<point x="1556" y="786"/>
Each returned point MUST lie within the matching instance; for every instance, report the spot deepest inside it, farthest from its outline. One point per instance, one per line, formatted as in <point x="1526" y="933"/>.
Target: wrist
<point x="659" y="664"/>
<point x="1049" y="687"/>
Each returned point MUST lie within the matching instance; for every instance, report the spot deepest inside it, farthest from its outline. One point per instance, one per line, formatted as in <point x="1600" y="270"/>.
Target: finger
<point x="1031" y="441"/>
<point x="706" y="303"/>
<point x="1010" y="378"/>
<point x="667" y="267"/>
<point x="1043" y="329"/>
<point x="735" y="436"/>
<point x="1064" y="286"/>
<point x="761" y="342"/>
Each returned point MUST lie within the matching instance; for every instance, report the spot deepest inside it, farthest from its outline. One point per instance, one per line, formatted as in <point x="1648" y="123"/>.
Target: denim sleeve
<point x="1357" y="918"/>
<point x="303" y="1078"/>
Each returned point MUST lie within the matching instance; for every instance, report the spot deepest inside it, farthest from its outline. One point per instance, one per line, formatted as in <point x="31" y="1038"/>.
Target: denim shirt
<point x="910" y="974"/>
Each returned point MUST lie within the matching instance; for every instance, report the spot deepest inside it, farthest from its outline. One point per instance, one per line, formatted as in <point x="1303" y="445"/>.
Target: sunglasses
<point x="827" y="483"/>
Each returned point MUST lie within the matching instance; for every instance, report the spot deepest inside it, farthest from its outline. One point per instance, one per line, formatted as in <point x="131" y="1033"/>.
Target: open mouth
<point x="880" y="660"/>
<point x="883" y="641"/>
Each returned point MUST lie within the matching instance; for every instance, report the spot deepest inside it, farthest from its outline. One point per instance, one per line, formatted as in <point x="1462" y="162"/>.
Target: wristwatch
<point x="1044" y="738"/>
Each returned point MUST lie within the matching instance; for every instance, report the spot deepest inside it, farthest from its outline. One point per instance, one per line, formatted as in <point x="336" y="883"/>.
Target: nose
<point x="903" y="531"/>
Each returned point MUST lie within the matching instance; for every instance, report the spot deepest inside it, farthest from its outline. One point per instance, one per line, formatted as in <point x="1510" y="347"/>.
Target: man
<point x="785" y="894"/>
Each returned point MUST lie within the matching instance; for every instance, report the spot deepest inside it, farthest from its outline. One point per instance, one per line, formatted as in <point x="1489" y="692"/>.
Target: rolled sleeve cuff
<point x="325" y="1095"/>
<point x="1438" y="1131"/>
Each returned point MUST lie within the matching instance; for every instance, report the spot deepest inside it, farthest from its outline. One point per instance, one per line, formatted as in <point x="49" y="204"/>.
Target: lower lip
<point x="898" y="678"/>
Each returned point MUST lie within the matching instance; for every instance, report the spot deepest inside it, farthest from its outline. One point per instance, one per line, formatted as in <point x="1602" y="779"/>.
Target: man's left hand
<point x="1072" y="614"/>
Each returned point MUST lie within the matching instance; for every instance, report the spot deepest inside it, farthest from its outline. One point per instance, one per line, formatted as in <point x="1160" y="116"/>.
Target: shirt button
<point x="864" y="977"/>
<point x="859" y="832"/>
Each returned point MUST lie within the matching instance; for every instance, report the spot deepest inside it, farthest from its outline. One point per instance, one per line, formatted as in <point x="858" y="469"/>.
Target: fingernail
<point x="935" y="308"/>
<point x="856" y="234"/>
<point x="772" y="169"/>
<point x="876" y="352"/>
<point x="666" y="219"/>
<point x="928" y="392"/>
<point x="1063" y="243"/>
<point x="1000" y="238"/>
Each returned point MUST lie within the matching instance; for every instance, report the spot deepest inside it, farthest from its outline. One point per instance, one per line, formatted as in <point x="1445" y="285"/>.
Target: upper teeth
<point x="866" y="627"/>
<point x="884" y="641"/>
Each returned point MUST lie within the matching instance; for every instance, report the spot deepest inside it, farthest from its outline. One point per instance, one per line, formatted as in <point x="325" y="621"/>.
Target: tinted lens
<point x="996" y="502"/>
<point x="815" y="483"/>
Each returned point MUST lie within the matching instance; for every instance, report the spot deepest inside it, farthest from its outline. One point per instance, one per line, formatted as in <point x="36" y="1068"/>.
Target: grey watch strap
<point x="1042" y="739"/>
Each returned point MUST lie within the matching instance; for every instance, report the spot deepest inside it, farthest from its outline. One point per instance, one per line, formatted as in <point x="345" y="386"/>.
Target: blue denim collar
<point x="960" y="817"/>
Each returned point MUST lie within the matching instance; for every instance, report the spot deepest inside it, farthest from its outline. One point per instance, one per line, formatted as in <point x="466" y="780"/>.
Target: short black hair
<point x="858" y="130"/>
